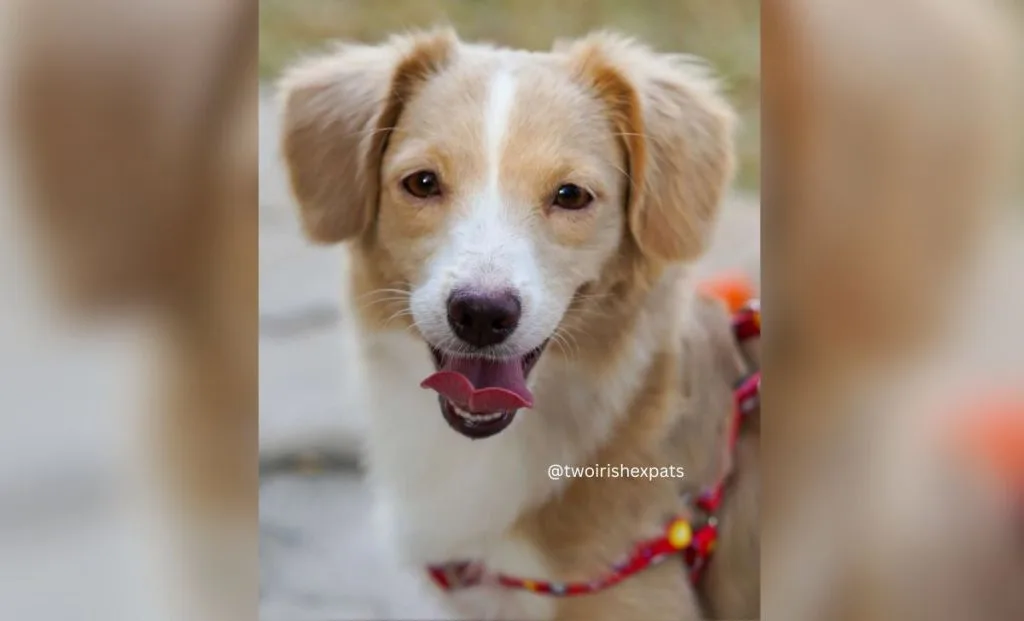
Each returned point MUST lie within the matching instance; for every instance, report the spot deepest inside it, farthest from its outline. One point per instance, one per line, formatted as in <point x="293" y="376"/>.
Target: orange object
<point x="734" y="289"/>
<point x="992" y="434"/>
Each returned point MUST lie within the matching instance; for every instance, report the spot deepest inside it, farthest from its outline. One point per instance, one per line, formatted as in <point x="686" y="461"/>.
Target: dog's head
<point x="487" y="186"/>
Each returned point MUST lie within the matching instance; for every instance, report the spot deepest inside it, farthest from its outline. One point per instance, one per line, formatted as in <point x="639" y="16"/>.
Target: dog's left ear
<point x="677" y="132"/>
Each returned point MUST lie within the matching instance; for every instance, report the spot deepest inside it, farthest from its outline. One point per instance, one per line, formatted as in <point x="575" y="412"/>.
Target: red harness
<point x="693" y="539"/>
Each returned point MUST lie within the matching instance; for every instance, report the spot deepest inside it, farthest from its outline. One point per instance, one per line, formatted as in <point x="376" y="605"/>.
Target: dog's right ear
<point x="338" y="111"/>
<point x="677" y="131"/>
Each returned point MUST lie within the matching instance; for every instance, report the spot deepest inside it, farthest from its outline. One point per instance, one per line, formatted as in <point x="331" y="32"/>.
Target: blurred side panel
<point x="130" y="191"/>
<point x="892" y="233"/>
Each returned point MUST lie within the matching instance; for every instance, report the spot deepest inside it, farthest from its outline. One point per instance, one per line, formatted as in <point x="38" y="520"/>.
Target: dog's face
<point x="501" y="195"/>
<point x="487" y="187"/>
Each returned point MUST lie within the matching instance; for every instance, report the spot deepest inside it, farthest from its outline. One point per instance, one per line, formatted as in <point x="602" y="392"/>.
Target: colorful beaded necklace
<point x="693" y="539"/>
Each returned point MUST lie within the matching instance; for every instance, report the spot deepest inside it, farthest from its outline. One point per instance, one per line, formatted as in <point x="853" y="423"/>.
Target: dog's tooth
<point x="474" y="419"/>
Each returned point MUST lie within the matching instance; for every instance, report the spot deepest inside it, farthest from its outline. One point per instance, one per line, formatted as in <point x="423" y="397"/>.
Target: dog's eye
<point x="571" y="196"/>
<point x="422" y="184"/>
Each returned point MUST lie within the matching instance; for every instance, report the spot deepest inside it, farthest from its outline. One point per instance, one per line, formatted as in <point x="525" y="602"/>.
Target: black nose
<point x="483" y="319"/>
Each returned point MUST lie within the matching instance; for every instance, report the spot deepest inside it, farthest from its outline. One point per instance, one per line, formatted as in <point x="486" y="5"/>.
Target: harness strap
<point x="692" y="537"/>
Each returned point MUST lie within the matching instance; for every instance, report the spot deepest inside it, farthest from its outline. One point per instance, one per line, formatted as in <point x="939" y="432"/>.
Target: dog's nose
<point x="483" y="319"/>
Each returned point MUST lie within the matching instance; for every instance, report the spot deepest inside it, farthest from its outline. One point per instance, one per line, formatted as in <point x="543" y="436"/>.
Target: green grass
<point x="726" y="32"/>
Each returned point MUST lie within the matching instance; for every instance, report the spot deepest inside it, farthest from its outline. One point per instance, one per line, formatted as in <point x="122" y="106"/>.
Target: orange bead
<point x="680" y="534"/>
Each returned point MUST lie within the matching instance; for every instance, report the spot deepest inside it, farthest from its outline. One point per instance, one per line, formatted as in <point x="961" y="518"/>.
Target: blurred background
<point x="128" y="202"/>
<point x="318" y="556"/>
<point x="893" y="242"/>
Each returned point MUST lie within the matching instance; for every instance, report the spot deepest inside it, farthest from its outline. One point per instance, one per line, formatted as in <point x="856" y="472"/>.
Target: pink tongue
<point x="482" y="386"/>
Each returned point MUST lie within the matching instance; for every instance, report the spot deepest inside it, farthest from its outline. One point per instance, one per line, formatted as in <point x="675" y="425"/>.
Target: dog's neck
<point x="634" y="401"/>
<point x="619" y="338"/>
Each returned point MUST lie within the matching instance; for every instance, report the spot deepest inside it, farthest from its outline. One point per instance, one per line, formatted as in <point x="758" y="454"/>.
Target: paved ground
<point x="317" y="557"/>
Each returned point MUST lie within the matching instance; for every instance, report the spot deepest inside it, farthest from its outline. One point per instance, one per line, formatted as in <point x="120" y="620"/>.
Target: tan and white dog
<point x="521" y="224"/>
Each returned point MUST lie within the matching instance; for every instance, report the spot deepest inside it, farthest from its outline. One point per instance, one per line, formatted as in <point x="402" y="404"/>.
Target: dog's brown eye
<point x="422" y="184"/>
<point x="571" y="196"/>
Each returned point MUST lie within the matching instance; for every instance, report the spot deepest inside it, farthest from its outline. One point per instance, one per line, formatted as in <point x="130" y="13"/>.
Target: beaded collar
<point x="692" y="538"/>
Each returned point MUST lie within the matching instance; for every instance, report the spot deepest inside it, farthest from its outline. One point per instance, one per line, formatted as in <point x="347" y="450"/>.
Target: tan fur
<point x="674" y="135"/>
<point x="333" y="151"/>
<point x="587" y="529"/>
<point x="712" y="364"/>
<point x="656" y="121"/>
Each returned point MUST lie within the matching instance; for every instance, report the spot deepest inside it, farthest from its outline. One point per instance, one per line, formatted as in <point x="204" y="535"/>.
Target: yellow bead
<point x="529" y="585"/>
<point x="680" y="534"/>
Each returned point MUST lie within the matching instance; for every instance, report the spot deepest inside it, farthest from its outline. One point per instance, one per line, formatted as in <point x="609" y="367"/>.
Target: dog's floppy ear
<point x="338" y="111"/>
<point x="677" y="132"/>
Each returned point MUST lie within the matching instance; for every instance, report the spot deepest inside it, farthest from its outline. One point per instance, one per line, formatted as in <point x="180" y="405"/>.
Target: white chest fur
<point x="451" y="497"/>
<point x="515" y="558"/>
<point x="444" y="497"/>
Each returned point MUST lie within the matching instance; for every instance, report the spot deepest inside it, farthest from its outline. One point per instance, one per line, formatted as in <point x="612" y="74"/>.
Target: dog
<point x="520" y="227"/>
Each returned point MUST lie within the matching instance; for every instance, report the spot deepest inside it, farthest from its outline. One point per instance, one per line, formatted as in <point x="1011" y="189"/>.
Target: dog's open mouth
<point x="480" y="396"/>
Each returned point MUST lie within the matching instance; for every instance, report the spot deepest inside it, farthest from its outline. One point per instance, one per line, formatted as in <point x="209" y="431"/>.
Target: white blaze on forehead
<point x="490" y="244"/>
<point x="490" y="251"/>
<point x="499" y="110"/>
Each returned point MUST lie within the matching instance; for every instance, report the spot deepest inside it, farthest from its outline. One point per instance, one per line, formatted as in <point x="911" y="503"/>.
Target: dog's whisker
<point x="570" y="348"/>
<point x="377" y="130"/>
<point x="565" y="348"/>
<point x="557" y="340"/>
<point x="389" y="297"/>
<point x="591" y="311"/>
<point x="568" y="335"/>
<point x="584" y="312"/>
<point x="392" y="298"/>
<point x="402" y="313"/>
<point x="594" y="296"/>
<point x="584" y="303"/>
<point x="381" y="303"/>
<point x="572" y="334"/>
<point x="622" y="170"/>
<point x="401" y="292"/>
<point x="383" y="296"/>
